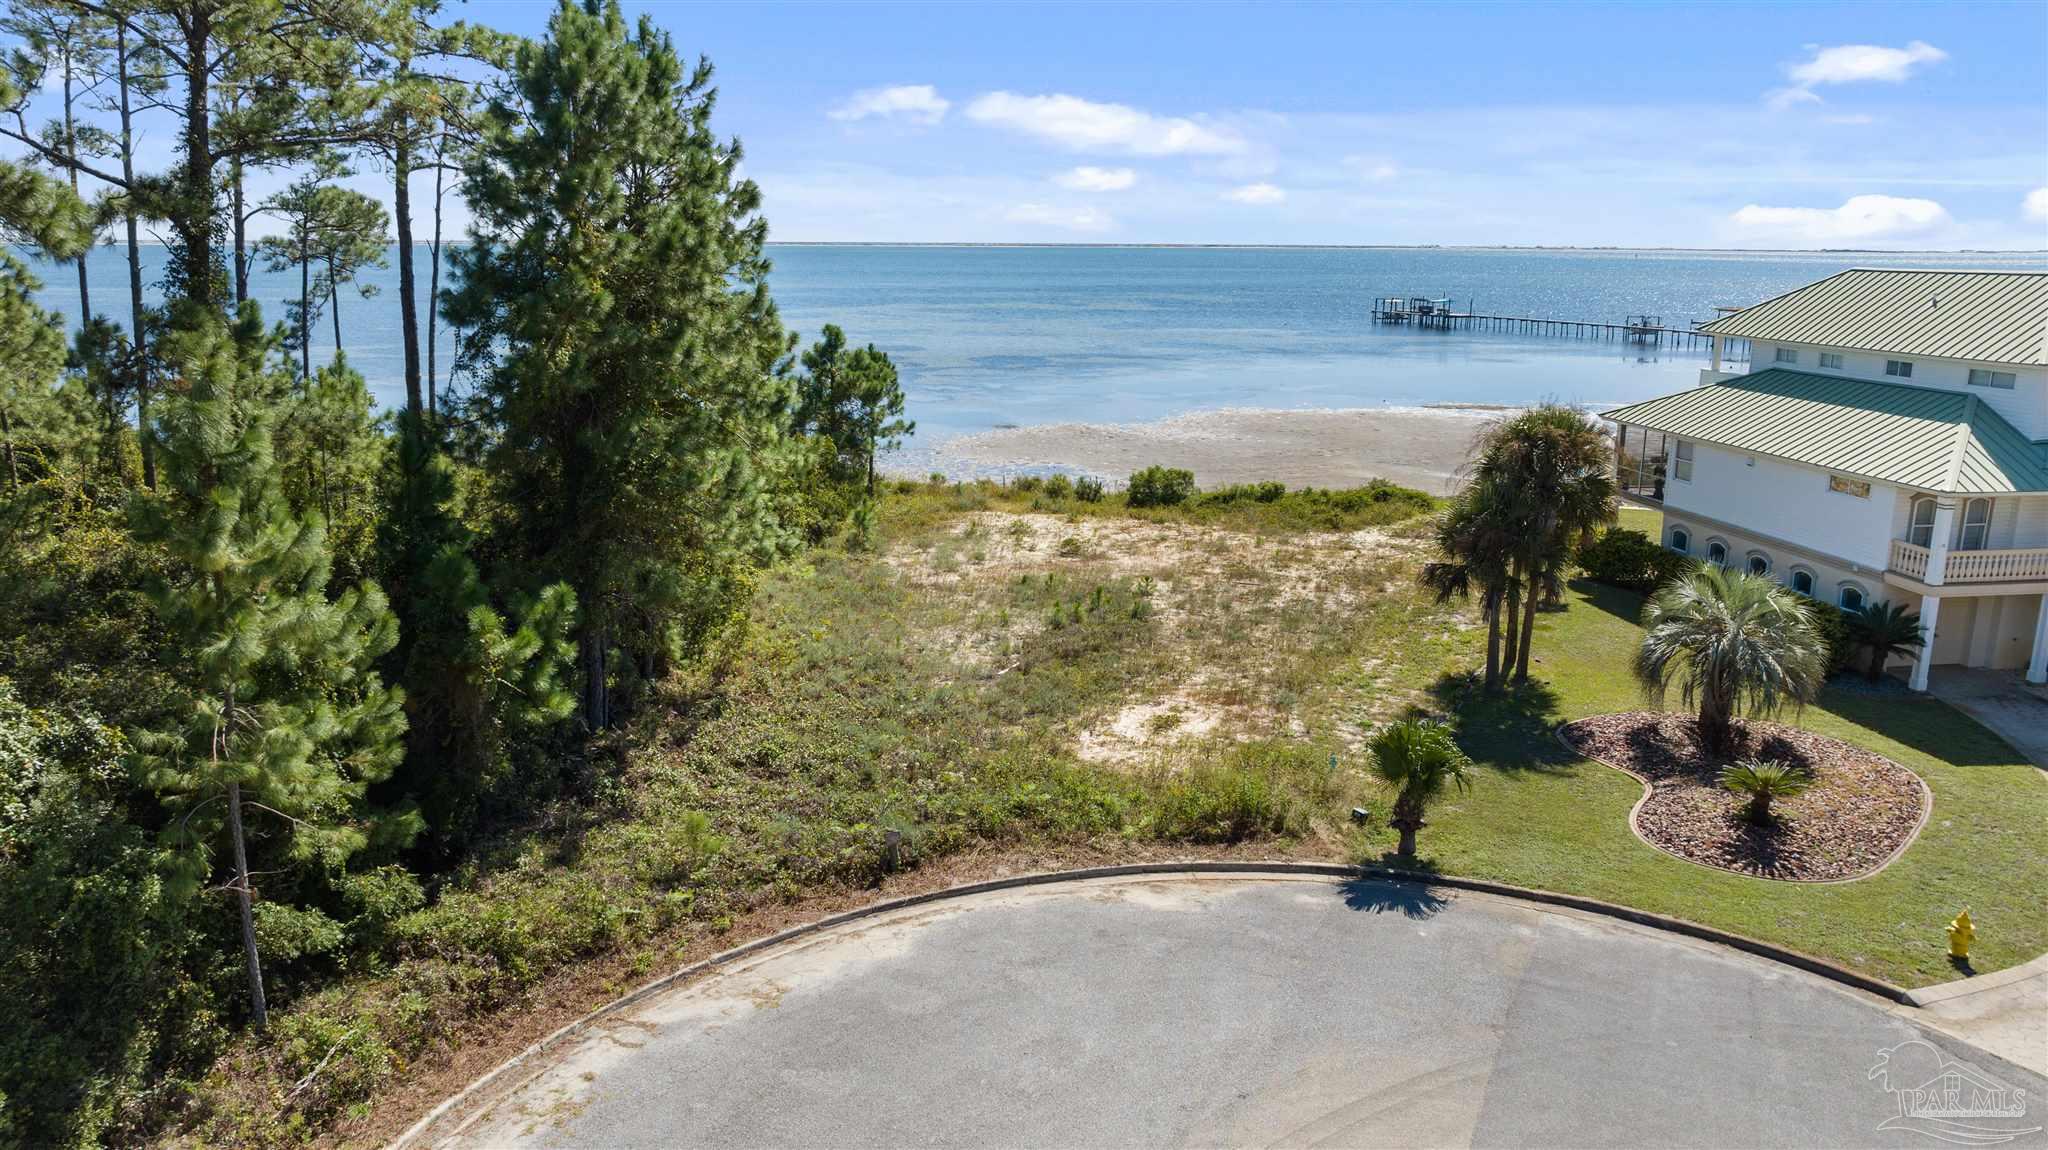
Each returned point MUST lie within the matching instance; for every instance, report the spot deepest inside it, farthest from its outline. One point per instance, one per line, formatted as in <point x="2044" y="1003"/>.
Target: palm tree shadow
<point x="1510" y="731"/>
<point x="1620" y="602"/>
<point x="1412" y="899"/>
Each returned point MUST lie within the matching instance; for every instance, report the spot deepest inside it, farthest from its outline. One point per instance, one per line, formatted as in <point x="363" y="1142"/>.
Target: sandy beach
<point x="1415" y="447"/>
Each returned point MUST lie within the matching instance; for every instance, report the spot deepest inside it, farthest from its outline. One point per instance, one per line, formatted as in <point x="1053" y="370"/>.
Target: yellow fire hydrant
<point x="1960" y="932"/>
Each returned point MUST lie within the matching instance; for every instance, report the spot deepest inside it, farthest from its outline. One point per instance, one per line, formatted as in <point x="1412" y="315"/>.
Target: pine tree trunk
<point x="7" y="449"/>
<point x="71" y="149"/>
<point x="334" y="303"/>
<point x="193" y="217"/>
<point x="258" y="1010"/>
<point x="241" y="234"/>
<point x="141" y="380"/>
<point x="434" y="271"/>
<point x="1528" y="629"/>
<point x="305" y="302"/>
<point x="401" y="212"/>
<point x="596" y="703"/>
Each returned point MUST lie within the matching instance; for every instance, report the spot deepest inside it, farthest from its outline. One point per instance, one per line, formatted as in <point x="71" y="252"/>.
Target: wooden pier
<point x="1436" y="312"/>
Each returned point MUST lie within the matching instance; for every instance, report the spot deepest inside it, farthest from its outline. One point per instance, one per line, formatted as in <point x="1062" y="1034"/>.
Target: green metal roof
<point x="1918" y="437"/>
<point x="1989" y="316"/>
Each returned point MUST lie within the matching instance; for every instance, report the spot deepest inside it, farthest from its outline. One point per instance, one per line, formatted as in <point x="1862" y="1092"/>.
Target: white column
<point x="1716" y="369"/>
<point x="1930" y="610"/>
<point x="2037" y="667"/>
<point x="1937" y="544"/>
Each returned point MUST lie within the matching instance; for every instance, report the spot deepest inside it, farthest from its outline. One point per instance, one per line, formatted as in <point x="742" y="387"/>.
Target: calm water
<point x="994" y="336"/>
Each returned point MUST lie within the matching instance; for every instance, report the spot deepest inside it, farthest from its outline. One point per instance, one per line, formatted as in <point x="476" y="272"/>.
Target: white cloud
<point x="1256" y="194"/>
<point x="1374" y="169"/>
<point x="2036" y="205"/>
<point x="918" y="103"/>
<point x="1082" y="219"/>
<point x="1086" y="126"/>
<point x="1855" y="63"/>
<point x="1851" y="64"/>
<point x="1859" y="218"/>
<point x="1090" y="179"/>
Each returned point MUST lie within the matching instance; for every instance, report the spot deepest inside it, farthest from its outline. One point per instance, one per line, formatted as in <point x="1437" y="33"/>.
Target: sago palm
<point x="1418" y="758"/>
<point x="1732" y="642"/>
<point x="1882" y="630"/>
<point x="1764" y="780"/>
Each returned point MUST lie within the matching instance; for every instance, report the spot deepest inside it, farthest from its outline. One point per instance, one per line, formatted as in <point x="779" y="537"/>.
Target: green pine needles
<point x="284" y="722"/>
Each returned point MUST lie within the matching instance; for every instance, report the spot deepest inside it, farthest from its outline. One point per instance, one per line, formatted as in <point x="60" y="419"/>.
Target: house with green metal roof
<point x="1889" y="442"/>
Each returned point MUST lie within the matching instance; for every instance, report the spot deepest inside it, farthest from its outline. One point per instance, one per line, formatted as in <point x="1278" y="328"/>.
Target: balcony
<point x="2018" y="565"/>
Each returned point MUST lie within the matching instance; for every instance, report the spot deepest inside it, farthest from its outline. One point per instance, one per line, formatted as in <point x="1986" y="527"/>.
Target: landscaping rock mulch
<point x="1860" y="810"/>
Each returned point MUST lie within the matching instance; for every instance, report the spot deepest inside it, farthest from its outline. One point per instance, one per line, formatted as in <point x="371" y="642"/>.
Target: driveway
<point x="1230" y="1010"/>
<point x="2001" y="700"/>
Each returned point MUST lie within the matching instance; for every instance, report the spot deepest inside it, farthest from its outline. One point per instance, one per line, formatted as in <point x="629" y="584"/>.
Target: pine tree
<point x="476" y="683"/>
<point x="283" y="716"/>
<point x="616" y="288"/>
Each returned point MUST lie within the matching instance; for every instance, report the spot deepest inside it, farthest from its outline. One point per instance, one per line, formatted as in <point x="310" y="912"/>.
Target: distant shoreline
<point x="2041" y="252"/>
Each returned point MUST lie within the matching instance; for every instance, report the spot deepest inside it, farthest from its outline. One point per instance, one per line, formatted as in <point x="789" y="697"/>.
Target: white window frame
<point x="1899" y="368"/>
<point x="2001" y="380"/>
<point x="1976" y="517"/>
<point x="1847" y="589"/>
<point x="1831" y="360"/>
<point x="1918" y="533"/>
<point x="1750" y="560"/>
<point x="1681" y="460"/>
<point x="1786" y="355"/>
<point x="1723" y="545"/>
<point x="1678" y="533"/>
<point x="1812" y="581"/>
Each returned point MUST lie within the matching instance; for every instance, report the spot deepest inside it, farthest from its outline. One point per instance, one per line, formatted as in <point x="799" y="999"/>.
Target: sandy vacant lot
<point x="1415" y="447"/>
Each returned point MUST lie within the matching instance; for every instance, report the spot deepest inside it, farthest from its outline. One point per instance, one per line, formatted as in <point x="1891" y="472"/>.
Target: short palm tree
<point x="1764" y="780"/>
<point x="1418" y="758"/>
<point x="1882" y="630"/>
<point x="1732" y="642"/>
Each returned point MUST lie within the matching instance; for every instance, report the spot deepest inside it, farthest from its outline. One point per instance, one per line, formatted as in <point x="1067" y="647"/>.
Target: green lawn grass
<point x="1538" y="816"/>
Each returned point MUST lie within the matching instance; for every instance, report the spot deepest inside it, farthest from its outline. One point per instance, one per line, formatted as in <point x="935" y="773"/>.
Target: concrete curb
<point x="1977" y="983"/>
<point x="1649" y="788"/>
<point x="1752" y="946"/>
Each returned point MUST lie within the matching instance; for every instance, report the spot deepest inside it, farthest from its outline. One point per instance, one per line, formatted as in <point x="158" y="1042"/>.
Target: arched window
<point x="1920" y="528"/>
<point x="1802" y="582"/>
<point x="1976" y="529"/>
<point x="1681" y="540"/>
<point x="1759" y="563"/>
<point x="1851" y="598"/>
<point x="1717" y="553"/>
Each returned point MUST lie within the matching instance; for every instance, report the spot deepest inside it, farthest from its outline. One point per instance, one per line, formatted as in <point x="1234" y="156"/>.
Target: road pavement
<point x="1252" y="1010"/>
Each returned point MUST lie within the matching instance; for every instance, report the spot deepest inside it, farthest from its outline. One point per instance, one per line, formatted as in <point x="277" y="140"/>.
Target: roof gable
<point x="1993" y="317"/>
<point x="1911" y="436"/>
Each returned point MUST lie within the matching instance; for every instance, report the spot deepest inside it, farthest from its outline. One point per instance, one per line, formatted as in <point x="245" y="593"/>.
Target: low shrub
<point x="1269" y="491"/>
<point x="1222" y="805"/>
<point x="1835" y="626"/>
<point x="1157" y="486"/>
<point x="1088" y="489"/>
<point x="1632" y="560"/>
<point x="1058" y="487"/>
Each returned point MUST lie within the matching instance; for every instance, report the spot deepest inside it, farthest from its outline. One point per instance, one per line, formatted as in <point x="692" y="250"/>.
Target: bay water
<point x="989" y="337"/>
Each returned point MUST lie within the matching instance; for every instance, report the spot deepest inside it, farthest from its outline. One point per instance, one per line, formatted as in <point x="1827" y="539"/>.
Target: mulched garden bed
<point x="1861" y="809"/>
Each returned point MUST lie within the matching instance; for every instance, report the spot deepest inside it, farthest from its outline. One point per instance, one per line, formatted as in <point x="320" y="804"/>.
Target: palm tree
<point x="1418" y="758"/>
<point x="1554" y="466"/>
<point x="1732" y="641"/>
<point x="1476" y="540"/>
<point x="1764" y="780"/>
<point x="1884" y="630"/>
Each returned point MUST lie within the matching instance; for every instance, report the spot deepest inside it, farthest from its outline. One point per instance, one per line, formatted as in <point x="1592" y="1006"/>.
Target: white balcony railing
<point x="2016" y="565"/>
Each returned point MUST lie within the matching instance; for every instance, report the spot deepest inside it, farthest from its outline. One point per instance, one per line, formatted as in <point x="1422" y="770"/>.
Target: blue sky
<point x="1699" y="125"/>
